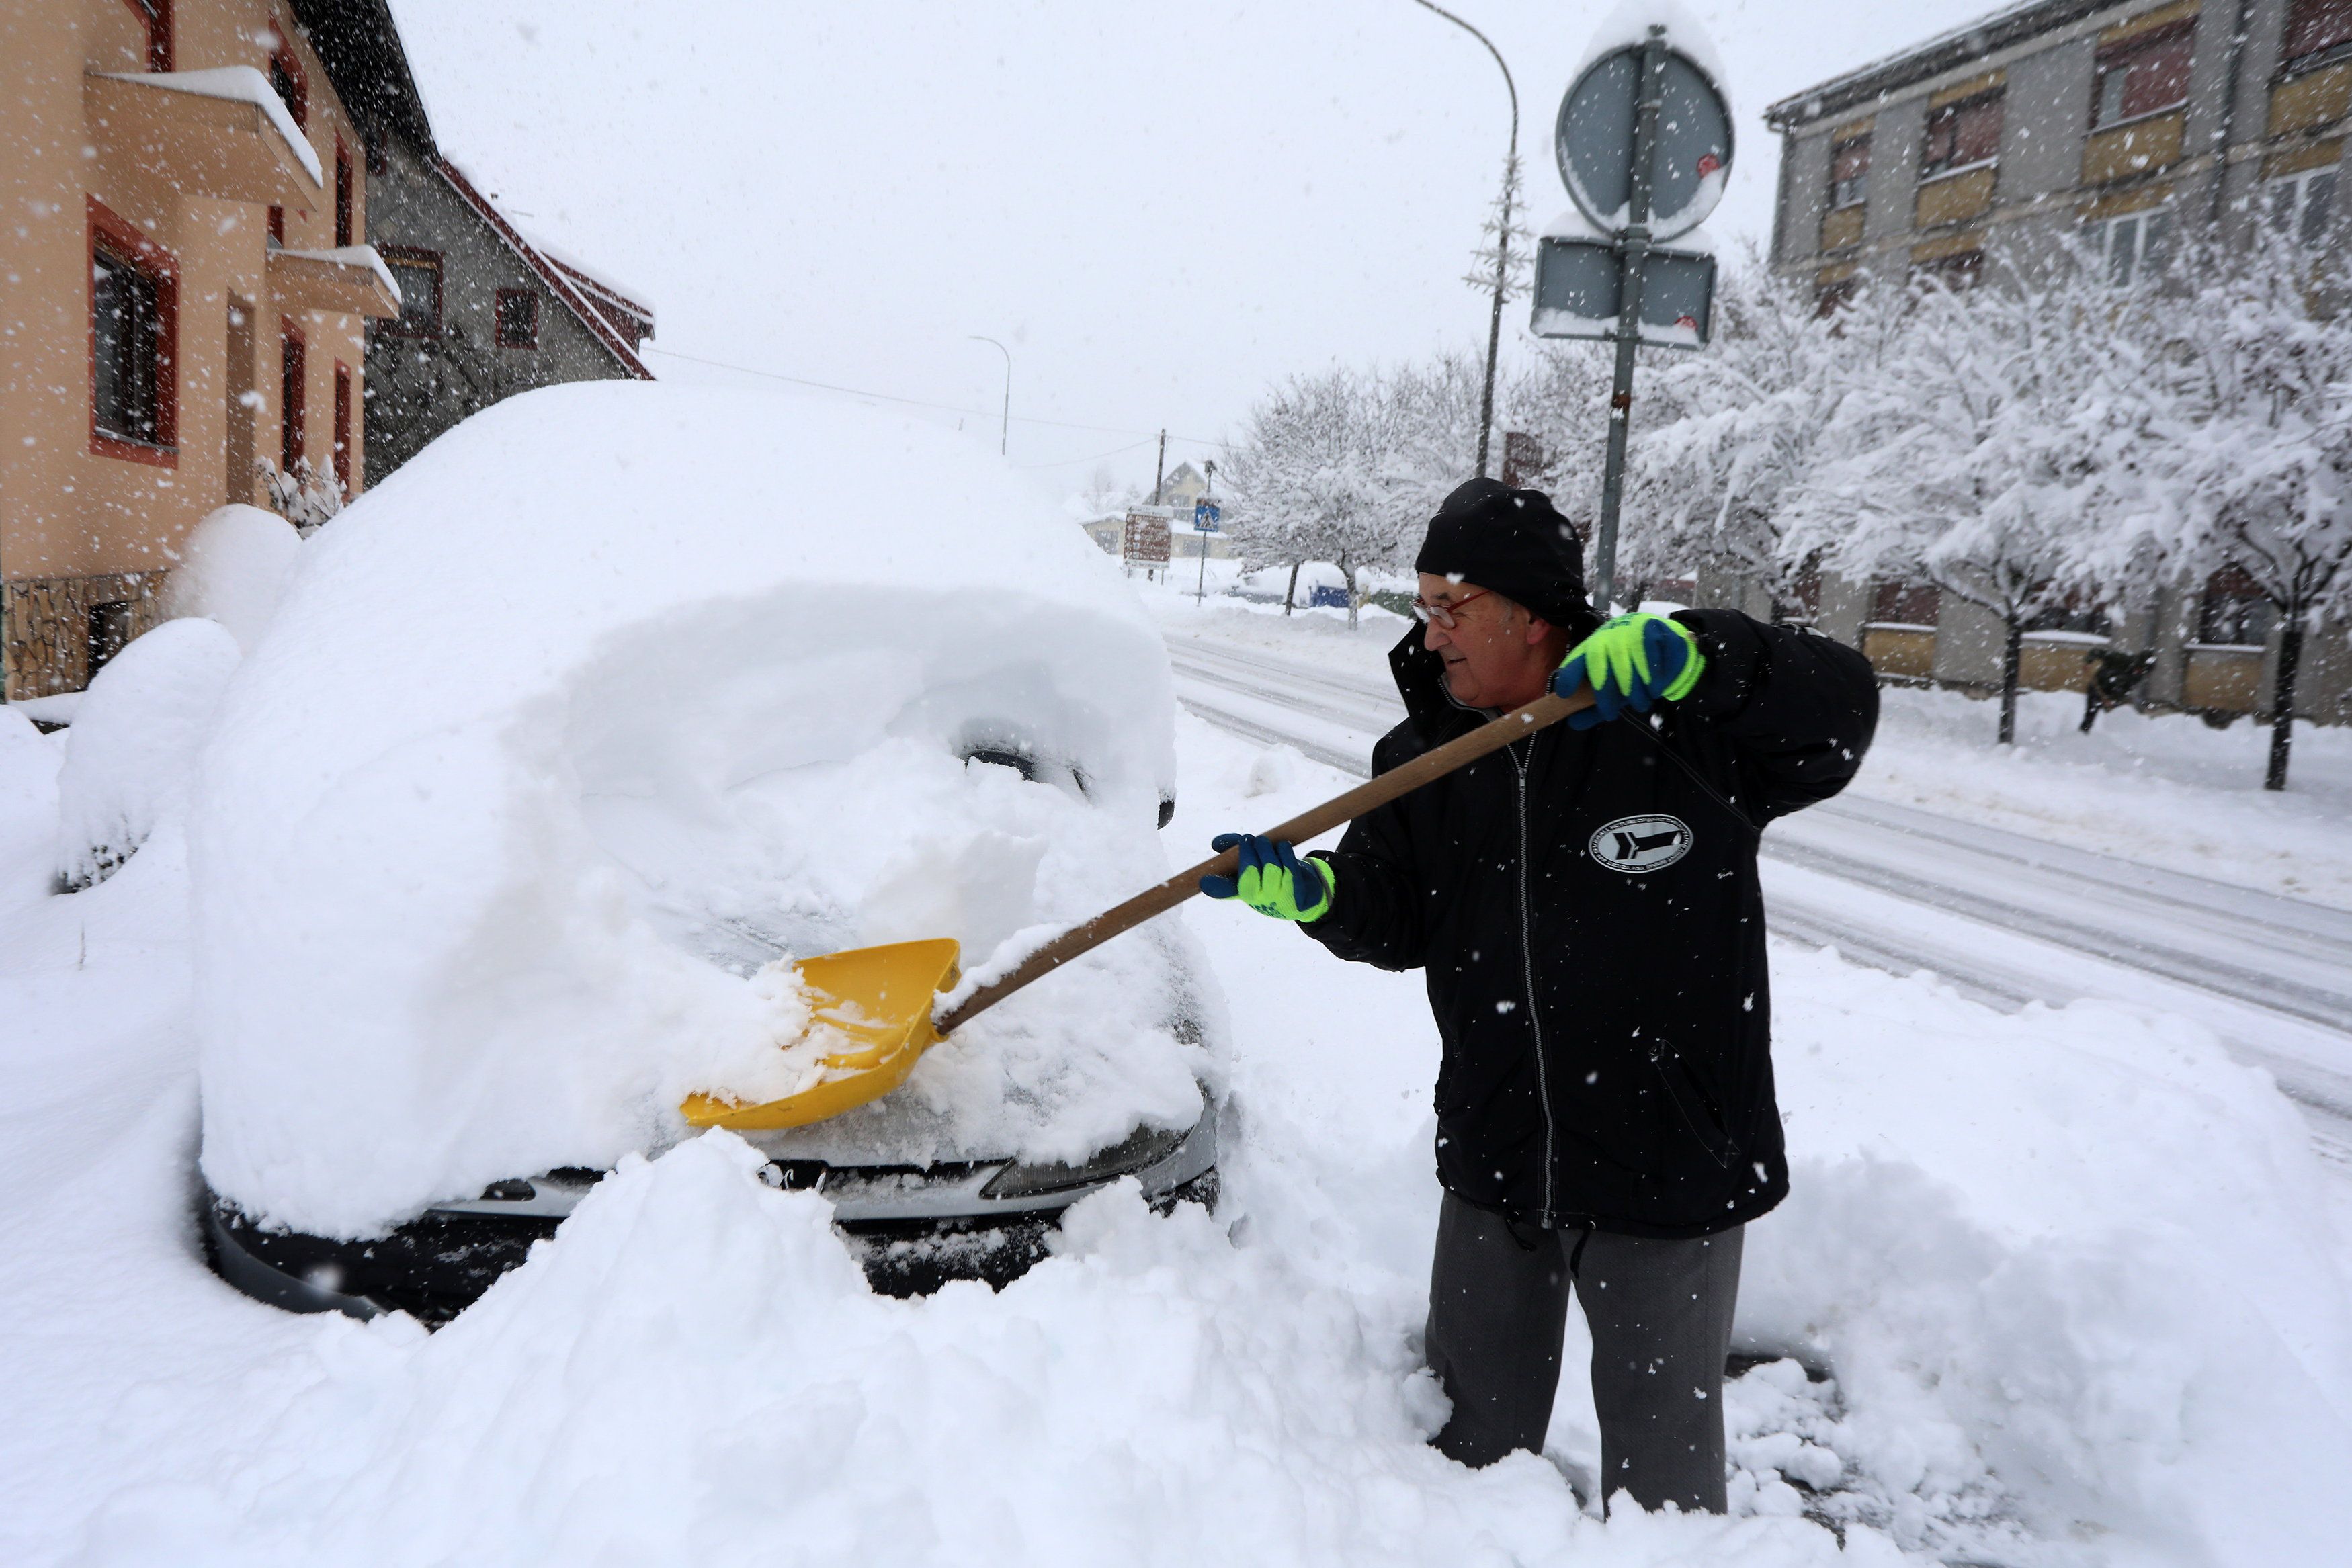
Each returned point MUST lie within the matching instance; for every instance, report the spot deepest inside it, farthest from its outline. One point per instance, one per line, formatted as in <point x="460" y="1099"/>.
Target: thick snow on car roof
<point x="607" y="697"/>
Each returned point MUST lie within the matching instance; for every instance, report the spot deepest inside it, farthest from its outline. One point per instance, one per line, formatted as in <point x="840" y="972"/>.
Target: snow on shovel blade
<point x="881" y="999"/>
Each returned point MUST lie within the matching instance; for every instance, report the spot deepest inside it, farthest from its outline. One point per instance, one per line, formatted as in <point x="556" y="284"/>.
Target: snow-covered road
<point x="2007" y="918"/>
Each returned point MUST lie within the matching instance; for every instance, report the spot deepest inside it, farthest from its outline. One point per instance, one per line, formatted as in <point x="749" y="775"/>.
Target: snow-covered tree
<point x="2254" y="395"/>
<point x="302" y="496"/>
<point x="1733" y="435"/>
<point x="1995" y="435"/>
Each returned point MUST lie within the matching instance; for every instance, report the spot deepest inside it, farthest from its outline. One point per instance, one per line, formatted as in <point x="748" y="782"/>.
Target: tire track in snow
<point x="2004" y="918"/>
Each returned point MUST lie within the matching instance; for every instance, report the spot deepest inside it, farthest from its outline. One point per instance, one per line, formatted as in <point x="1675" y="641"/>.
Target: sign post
<point x="1645" y="143"/>
<point x="1205" y="517"/>
<point x="1146" y="541"/>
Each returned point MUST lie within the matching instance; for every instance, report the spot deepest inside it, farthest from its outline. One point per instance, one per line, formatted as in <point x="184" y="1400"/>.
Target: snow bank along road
<point x="2006" y="919"/>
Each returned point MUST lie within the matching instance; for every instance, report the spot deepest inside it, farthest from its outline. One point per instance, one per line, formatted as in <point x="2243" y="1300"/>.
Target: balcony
<point x="352" y="280"/>
<point x="2141" y="146"/>
<point x="211" y="134"/>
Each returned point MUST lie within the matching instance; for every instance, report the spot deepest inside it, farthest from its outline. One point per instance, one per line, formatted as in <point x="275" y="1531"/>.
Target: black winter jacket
<point x="1585" y="904"/>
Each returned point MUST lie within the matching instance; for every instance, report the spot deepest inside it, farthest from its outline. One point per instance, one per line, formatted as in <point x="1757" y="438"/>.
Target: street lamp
<point x="1502" y="233"/>
<point x="1004" y="428"/>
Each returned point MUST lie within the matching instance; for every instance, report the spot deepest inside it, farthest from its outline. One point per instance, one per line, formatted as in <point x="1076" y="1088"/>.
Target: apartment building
<point x="186" y="291"/>
<point x="2115" y="125"/>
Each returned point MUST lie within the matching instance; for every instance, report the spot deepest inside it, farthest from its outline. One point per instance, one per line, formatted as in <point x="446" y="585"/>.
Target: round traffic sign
<point x="1595" y="141"/>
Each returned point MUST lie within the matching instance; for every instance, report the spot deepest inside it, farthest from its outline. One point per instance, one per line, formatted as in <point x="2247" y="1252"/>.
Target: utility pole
<point x="1005" y="425"/>
<point x="1502" y="235"/>
<point x="1160" y="474"/>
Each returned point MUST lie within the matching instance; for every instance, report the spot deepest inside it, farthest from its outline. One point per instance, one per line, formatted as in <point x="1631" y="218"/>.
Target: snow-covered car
<point x="564" y="734"/>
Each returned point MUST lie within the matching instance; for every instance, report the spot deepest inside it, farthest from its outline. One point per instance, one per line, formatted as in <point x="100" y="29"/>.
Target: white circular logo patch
<point x="1636" y="845"/>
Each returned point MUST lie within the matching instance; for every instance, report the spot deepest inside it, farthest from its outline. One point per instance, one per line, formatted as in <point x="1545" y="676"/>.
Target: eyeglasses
<point x="1442" y="614"/>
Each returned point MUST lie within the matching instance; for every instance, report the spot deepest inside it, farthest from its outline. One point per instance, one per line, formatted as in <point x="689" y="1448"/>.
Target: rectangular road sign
<point x="1577" y="283"/>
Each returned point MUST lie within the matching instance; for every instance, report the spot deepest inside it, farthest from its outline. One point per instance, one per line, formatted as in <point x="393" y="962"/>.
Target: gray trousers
<point x="1660" y="1312"/>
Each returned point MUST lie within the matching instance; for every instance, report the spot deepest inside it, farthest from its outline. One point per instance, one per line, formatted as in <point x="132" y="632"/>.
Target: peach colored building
<point x="184" y="292"/>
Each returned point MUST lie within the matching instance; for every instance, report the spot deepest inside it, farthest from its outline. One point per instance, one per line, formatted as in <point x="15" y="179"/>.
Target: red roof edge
<point x="558" y="284"/>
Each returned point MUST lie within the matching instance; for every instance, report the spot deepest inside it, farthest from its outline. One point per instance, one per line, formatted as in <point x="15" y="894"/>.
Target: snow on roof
<point x="607" y="695"/>
<point x="560" y="285"/>
<point x="240" y="84"/>
<point x="352" y="256"/>
<point x="1940" y="52"/>
<point x="595" y="283"/>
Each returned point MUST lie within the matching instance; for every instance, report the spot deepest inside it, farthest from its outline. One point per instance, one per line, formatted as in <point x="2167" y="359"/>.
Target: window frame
<point x="2326" y="54"/>
<point x="293" y="394"/>
<point x="2233" y="585"/>
<point x="1860" y="197"/>
<point x="109" y="233"/>
<point x="498" y="317"/>
<point x="2297" y="187"/>
<point x="1992" y="97"/>
<point x="155" y="16"/>
<point x="284" y="57"/>
<point x="347" y="195"/>
<point x="2118" y="59"/>
<point x="341" y="449"/>
<point x="2145" y="243"/>
<point x="395" y="257"/>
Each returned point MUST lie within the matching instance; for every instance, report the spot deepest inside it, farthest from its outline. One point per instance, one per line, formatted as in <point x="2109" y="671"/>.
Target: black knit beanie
<point x="1515" y="543"/>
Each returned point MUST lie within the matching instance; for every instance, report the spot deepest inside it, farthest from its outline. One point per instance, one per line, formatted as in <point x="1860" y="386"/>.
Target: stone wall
<point x="45" y="626"/>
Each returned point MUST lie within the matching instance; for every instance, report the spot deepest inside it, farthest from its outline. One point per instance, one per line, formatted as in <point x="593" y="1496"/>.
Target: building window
<point x="2133" y="245"/>
<point x="106" y="631"/>
<point x="346" y="196"/>
<point x="155" y="16"/>
<point x="2301" y="206"/>
<point x="1911" y="604"/>
<point x="517" y="319"/>
<point x="1850" y="172"/>
<point x="133" y="341"/>
<point x="277" y="224"/>
<point x="418" y="272"/>
<point x="2234" y="612"/>
<point x="2146" y="75"/>
<point x="287" y="80"/>
<point x="1957" y="272"/>
<point x="2317" y="33"/>
<point x="1961" y="135"/>
<point x="293" y="357"/>
<point x="343" y="427"/>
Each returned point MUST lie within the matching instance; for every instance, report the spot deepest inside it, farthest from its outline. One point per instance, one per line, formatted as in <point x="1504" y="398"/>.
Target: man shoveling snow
<point x="1586" y="907"/>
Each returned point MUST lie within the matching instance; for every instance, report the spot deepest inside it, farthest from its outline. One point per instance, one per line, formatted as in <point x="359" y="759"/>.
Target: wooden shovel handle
<point x="1492" y="736"/>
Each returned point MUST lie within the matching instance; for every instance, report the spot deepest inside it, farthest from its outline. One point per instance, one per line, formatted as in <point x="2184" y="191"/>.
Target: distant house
<point x="486" y="312"/>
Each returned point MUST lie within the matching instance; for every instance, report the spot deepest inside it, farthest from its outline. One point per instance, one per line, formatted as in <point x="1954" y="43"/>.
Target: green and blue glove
<point x="1272" y="880"/>
<point x="1634" y="660"/>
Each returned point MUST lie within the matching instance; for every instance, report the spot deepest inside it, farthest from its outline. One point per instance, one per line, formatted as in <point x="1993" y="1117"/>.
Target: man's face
<point x="1495" y="651"/>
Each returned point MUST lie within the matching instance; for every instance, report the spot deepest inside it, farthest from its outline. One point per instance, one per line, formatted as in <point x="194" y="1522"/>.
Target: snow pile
<point x="696" y="1373"/>
<point x="603" y="702"/>
<point x="233" y="568"/>
<point x="133" y="744"/>
<point x="29" y="761"/>
<point x="2076" y="1257"/>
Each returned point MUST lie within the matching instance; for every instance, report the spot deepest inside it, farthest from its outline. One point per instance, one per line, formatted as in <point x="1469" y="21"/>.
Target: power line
<point x="919" y="403"/>
<point x="1069" y="462"/>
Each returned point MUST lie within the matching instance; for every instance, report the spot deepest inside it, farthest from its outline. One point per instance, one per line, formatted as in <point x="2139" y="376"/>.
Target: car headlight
<point x="1143" y="1147"/>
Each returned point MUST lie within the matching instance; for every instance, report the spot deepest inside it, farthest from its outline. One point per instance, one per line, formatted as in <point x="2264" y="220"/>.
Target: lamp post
<point x="1005" y="427"/>
<point x="1502" y="233"/>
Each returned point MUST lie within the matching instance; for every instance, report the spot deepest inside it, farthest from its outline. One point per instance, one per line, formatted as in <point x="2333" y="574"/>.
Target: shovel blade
<point x="881" y="999"/>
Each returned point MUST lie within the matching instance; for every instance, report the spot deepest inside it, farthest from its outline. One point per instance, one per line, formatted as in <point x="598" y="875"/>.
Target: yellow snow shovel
<point x="885" y="999"/>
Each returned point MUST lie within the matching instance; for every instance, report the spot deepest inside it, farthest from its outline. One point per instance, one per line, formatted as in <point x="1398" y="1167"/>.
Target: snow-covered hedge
<point x="598" y="703"/>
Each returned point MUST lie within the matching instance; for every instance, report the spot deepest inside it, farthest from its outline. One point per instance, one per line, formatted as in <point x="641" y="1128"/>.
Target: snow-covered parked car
<point x="608" y="700"/>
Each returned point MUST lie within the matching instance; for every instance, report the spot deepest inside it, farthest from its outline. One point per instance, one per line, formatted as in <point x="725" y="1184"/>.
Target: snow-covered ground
<point x="2053" y="1287"/>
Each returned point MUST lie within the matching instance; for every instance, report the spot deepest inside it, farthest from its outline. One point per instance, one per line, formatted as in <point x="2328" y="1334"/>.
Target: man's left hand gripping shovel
<point x="884" y="999"/>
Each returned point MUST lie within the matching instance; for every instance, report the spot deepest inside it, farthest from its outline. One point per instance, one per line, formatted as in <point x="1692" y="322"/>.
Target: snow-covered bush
<point x="133" y="744"/>
<point x="233" y="568"/>
<point x="570" y="725"/>
<point x="302" y="494"/>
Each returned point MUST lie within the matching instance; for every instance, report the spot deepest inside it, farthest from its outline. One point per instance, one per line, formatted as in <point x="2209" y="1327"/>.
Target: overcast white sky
<point x="1160" y="208"/>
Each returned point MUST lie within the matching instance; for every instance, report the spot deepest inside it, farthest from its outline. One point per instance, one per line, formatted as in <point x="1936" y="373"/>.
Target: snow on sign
<point x="1595" y="137"/>
<point x="1579" y="293"/>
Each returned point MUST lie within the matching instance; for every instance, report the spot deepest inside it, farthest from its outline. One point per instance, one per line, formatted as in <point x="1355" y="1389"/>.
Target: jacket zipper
<point x="1527" y="968"/>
